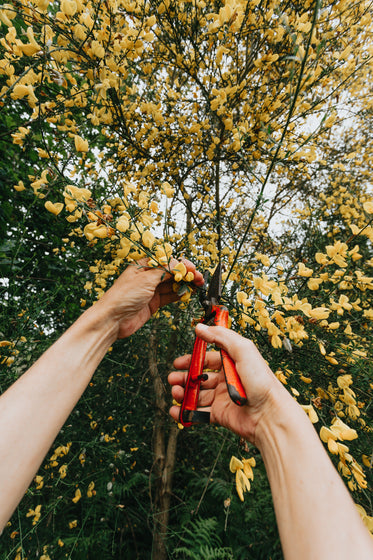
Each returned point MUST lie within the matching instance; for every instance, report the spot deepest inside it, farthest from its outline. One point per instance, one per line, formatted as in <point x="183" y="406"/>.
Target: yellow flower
<point x="358" y="473"/>
<point x="97" y="49"/>
<point x="331" y="359"/>
<point x="179" y="271"/>
<point x="263" y="259"/>
<point x="311" y="412"/>
<point x="54" y="208"/>
<point x="338" y="253"/>
<point x="73" y="193"/>
<point x="319" y="313"/>
<point x="353" y="411"/>
<point x="62" y="470"/>
<point x="242" y="484"/>
<point x="304" y="271"/>
<point x="329" y="437"/>
<point x="367" y="461"/>
<point x="29" y="50"/>
<point x="368" y="207"/>
<point x="164" y="250"/>
<point x="243" y="299"/>
<point x="264" y="285"/>
<point x="167" y="189"/>
<point x="243" y="470"/>
<point x="321" y="258"/>
<point x="81" y="145"/>
<point x="248" y="465"/>
<point x="39" y="482"/>
<point x="148" y="239"/>
<point x="35" y="513"/>
<point x="20" y="187"/>
<point x="189" y="277"/>
<point x="19" y="91"/>
<point x="123" y="224"/>
<point x="341" y="305"/>
<point x="342" y="431"/>
<point x="69" y="7"/>
<point x="314" y="283"/>
<point x="91" y="492"/>
<point x="77" y="496"/>
<point x="322" y="349"/>
<point x="344" y="381"/>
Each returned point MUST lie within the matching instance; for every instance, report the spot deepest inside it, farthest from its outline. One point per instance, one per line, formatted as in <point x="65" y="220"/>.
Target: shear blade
<point x="196" y="416"/>
<point x="215" y="287"/>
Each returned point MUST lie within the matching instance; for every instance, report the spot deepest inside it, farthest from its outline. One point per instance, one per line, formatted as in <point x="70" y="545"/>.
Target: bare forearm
<point x="33" y="410"/>
<point x="315" y="513"/>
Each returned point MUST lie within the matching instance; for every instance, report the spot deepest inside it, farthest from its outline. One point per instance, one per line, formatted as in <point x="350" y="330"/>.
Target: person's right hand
<point x="262" y="388"/>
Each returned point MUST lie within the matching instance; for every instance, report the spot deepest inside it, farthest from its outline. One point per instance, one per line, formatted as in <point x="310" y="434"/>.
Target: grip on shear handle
<point x="234" y="385"/>
<point x="188" y="412"/>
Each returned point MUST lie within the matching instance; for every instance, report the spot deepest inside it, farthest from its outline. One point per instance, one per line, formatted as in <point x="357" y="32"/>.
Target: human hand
<point x="261" y="386"/>
<point x="138" y="293"/>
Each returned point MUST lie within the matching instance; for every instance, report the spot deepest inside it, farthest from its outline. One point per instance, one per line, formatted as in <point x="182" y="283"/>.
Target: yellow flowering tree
<point x="235" y="130"/>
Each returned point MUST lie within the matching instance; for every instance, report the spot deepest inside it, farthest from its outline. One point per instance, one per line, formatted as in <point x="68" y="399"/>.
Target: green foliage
<point x="200" y="541"/>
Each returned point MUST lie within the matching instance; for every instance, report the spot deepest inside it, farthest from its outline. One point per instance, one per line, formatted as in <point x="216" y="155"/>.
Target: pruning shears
<point x="218" y="315"/>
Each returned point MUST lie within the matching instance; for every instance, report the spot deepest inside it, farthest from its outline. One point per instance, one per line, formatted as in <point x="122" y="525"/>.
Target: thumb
<point x="250" y="364"/>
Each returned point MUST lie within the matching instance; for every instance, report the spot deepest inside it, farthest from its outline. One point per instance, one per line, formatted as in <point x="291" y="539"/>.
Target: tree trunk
<point x="164" y="457"/>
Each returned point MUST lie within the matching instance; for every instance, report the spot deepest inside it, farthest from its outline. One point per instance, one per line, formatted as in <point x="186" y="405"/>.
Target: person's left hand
<point x="139" y="292"/>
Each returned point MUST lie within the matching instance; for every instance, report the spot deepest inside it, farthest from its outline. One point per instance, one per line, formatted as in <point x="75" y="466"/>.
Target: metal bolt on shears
<point x="218" y="315"/>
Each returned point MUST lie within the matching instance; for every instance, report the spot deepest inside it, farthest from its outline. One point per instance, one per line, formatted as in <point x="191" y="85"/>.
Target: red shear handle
<point x="188" y="413"/>
<point x="234" y="385"/>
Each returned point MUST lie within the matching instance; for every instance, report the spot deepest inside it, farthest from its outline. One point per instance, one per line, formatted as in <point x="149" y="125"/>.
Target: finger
<point x="190" y="267"/>
<point x="175" y="412"/>
<point x="165" y="276"/>
<point x="232" y="342"/>
<point x="178" y="378"/>
<point x="205" y="398"/>
<point x="182" y="362"/>
<point x="212" y="361"/>
<point x="177" y="393"/>
<point x="248" y="360"/>
<point x="198" y="277"/>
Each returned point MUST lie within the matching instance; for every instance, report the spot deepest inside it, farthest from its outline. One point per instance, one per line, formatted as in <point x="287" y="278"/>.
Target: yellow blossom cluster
<point x="35" y="514"/>
<point x="59" y="452"/>
<point x="348" y="466"/>
<point x="9" y="352"/>
<point x="244" y="473"/>
<point x="124" y="33"/>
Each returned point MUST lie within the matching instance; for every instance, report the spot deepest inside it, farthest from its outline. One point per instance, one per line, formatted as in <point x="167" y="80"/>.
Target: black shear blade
<point x="215" y="287"/>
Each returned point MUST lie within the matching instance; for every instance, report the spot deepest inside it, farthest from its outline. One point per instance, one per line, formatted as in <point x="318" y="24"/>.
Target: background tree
<point x="237" y="130"/>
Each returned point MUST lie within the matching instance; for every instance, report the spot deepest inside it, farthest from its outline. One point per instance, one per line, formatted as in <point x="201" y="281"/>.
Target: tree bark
<point x="164" y="457"/>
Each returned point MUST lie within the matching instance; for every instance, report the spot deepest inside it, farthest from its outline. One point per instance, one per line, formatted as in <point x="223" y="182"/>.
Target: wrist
<point x="280" y="417"/>
<point x="98" y="321"/>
